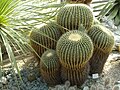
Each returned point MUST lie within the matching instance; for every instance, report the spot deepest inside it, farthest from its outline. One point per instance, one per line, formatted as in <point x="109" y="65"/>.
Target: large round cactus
<point x="103" y="41"/>
<point x="45" y="37"/>
<point x="74" y="49"/>
<point x="75" y="76"/>
<point x="50" y="67"/>
<point x="72" y="15"/>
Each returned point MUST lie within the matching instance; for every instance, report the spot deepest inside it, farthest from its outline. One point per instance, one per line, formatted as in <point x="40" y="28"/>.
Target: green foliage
<point x="112" y="10"/>
<point x="9" y="37"/>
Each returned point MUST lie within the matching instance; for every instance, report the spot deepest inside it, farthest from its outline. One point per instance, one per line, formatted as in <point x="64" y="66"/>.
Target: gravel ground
<point x="31" y="80"/>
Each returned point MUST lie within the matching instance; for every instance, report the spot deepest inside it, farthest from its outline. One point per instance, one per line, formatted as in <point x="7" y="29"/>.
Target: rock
<point x="86" y="88"/>
<point x="31" y="77"/>
<point x="14" y="88"/>
<point x="3" y="80"/>
<point x="1" y="85"/>
<point x="118" y="47"/>
<point x="116" y="87"/>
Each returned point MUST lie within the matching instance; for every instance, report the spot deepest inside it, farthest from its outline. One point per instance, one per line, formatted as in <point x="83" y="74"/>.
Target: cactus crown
<point x="49" y="60"/>
<point x="102" y="37"/>
<point x="74" y="48"/>
<point x="72" y="15"/>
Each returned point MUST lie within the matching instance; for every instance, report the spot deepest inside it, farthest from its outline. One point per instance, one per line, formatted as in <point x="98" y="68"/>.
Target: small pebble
<point x="1" y="85"/>
<point x="31" y="77"/>
<point x="3" y="80"/>
<point x="86" y="88"/>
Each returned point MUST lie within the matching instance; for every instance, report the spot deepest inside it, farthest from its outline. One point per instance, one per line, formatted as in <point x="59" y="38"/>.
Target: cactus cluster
<point x="80" y="51"/>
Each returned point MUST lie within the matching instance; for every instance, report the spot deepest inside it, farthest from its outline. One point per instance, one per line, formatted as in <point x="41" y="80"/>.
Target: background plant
<point x="110" y="8"/>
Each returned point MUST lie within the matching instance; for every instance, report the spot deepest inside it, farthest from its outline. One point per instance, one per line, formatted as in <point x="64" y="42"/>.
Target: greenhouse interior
<point x="59" y="44"/>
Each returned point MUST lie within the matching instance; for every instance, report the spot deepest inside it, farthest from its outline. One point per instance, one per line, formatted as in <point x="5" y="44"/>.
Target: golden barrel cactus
<point x="103" y="41"/>
<point x="74" y="49"/>
<point x="72" y="15"/>
<point x="50" y="67"/>
<point x="45" y="37"/>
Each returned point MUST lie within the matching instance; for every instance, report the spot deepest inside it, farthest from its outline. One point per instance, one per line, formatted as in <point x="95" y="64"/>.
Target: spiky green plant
<point x="45" y="38"/>
<point x="74" y="49"/>
<point x="110" y="8"/>
<point x="50" y="67"/>
<point x="72" y="15"/>
<point x="8" y="36"/>
<point x="103" y="41"/>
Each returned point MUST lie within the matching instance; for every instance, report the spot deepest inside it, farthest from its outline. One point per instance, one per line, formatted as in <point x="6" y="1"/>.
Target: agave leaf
<point x="117" y="20"/>
<point x="10" y="53"/>
<point x="113" y="13"/>
<point x="105" y="11"/>
<point x="1" y="62"/>
<point x="98" y="6"/>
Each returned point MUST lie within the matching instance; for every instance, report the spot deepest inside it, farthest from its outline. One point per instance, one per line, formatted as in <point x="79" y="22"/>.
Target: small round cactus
<point x="45" y="37"/>
<point x="103" y="41"/>
<point x="72" y="15"/>
<point x="74" y="49"/>
<point x="75" y="76"/>
<point x="50" y="67"/>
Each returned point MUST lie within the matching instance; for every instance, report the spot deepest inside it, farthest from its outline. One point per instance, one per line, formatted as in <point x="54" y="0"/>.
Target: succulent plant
<point x="103" y="41"/>
<point x="74" y="49"/>
<point x="72" y="15"/>
<point x="50" y="67"/>
<point x="75" y="76"/>
<point x="45" y="37"/>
